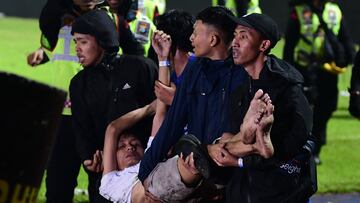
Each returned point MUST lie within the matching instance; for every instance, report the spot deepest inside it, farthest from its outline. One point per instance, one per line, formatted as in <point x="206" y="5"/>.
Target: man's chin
<point x="237" y="61"/>
<point x="132" y="162"/>
<point x="83" y="63"/>
<point x="197" y="54"/>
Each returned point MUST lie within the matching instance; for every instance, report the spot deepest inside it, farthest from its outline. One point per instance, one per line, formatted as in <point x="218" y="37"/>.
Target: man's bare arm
<point x="115" y="128"/>
<point x="161" y="43"/>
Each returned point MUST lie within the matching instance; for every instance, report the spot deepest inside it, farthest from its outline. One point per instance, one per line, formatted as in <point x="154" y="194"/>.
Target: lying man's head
<point x="130" y="150"/>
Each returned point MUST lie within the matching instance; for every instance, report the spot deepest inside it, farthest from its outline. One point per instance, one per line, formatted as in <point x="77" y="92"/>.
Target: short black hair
<point x="129" y="133"/>
<point x="141" y="130"/>
<point x="218" y="16"/>
<point x="179" y="25"/>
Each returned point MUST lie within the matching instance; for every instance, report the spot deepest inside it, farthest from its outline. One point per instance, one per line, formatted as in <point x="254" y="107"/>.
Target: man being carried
<point x="123" y="151"/>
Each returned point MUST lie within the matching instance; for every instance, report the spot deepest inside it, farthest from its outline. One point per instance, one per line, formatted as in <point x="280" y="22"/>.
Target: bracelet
<point x="164" y="63"/>
<point x="240" y="162"/>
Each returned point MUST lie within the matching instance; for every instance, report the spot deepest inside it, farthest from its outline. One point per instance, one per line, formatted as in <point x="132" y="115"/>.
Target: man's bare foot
<point x="253" y="116"/>
<point x="267" y="118"/>
<point x="226" y="137"/>
<point x="256" y="105"/>
<point x="263" y="142"/>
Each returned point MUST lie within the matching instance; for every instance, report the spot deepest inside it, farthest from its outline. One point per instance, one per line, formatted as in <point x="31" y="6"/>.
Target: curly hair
<point x="179" y="25"/>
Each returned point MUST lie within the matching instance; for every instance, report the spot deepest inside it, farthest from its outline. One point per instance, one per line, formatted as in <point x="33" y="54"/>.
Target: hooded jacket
<point x="98" y="24"/>
<point x="102" y="93"/>
<point x="266" y="181"/>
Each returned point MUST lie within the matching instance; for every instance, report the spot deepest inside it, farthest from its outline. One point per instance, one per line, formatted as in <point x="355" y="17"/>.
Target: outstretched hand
<point x="35" y="57"/>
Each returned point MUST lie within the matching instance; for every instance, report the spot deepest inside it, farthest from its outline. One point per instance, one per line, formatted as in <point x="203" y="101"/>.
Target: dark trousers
<point x="93" y="188"/>
<point x="325" y="105"/>
<point x="63" y="166"/>
<point x="320" y="88"/>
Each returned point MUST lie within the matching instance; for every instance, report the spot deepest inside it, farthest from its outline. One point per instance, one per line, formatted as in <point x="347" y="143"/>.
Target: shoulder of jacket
<point x="76" y="80"/>
<point x="135" y="61"/>
<point x="284" y="70"/>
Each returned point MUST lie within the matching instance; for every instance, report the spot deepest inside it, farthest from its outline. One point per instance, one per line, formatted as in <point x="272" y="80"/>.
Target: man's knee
<point x="165" y="182"/>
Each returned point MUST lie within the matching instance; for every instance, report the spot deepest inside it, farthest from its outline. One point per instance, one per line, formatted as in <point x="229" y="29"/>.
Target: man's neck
<point x="180" y="60"/>
<point x="255" y="67"/>
<point x="98" y="60"/>
<point x="219" y="52"/>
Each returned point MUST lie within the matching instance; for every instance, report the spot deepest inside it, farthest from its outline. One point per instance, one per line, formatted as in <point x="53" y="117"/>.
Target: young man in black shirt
<point x="259" y="179"/>
<point x="108" y="87"/>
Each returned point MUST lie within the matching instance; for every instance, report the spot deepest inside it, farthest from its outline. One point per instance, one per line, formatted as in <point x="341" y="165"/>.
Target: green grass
<point x="82" y="184"/>
<point x="341" y="158"/>
<point x="18" y="38"/>
<point x="339" y="171"/>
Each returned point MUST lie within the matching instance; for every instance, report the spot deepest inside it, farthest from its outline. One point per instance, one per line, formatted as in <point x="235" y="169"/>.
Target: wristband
<point x="240" y="162"/>
<point x="164" y="63"/>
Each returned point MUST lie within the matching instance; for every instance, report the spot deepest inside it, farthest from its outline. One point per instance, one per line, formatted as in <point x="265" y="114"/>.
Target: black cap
<point x="262" y="23"/>
<point x="98" y="24"/>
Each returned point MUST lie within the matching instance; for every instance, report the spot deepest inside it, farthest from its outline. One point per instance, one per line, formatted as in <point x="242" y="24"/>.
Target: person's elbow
<point x="111" y="129"/>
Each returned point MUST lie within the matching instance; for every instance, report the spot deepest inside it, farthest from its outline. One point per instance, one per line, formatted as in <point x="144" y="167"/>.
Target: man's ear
<point x="265" y="44"/>
<point x="215" y="40"/>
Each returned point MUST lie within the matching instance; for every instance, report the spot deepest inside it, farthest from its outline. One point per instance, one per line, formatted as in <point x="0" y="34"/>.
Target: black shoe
<point x="189" y="143"/>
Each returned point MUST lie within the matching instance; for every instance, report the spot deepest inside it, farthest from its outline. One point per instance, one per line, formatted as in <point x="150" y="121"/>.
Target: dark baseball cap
<point x="262" y="23"/>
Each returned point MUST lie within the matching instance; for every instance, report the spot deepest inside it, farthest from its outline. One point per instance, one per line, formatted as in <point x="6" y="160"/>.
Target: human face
<point x="246" y="45"/>
<point x="87" y="49"/>
<point x="201" y="39"/>
<point x="129" y="151"/>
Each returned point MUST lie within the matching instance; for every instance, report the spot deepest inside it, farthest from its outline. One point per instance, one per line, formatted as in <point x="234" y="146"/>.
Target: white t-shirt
<point x="116" y="186"/>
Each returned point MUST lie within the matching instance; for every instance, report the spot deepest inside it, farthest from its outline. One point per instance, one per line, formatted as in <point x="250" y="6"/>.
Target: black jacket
<point x="100" y="94"/>
<point x="56" y="13"/>
<point x="265" y="181"/>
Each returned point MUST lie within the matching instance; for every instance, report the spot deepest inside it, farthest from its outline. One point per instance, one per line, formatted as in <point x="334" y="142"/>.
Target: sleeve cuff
<point x="240" y="162"/>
